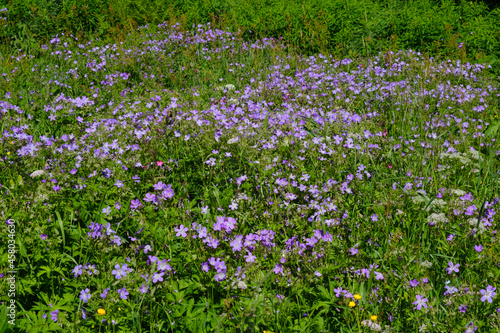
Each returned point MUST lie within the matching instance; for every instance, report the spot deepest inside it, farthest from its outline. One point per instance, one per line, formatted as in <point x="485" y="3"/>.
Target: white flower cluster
<point x="418" y="199"/>
<point x="475" y="154"/>
<point x="473" y="224"/>
<point x="233" y="101"/>
<point x="354" y="136"/>
<point x="227" y="86"/>
<point x="440" y="203"/>
<point x="437" y="218"/>
<point x="233" y="140"/>
<point x="372" y="325"/>
<point x="426" y="263"/>
<point x="239" y="284"/>
<point x="458" y="192"/>
<point x="441" y="168"/>
<point x="37" y="173"/>
<point x="462" y="158"/>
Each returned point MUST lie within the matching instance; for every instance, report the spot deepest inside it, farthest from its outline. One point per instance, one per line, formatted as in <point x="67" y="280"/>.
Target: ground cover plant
<point x="190" y="181"/>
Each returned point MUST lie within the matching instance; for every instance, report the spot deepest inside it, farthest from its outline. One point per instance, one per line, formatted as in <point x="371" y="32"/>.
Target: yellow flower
<point x="119" y="309"/>
<point x="101" y="312"/>
<point x="357" y="297"/>
<point x="8" y="153"/>
<point x="373" y="318"/>
<point x="352" y="304"/>
<point x="268" y="332"/>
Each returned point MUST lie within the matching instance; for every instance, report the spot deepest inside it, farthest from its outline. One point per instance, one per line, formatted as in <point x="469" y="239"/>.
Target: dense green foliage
<point x="450" y="29"/>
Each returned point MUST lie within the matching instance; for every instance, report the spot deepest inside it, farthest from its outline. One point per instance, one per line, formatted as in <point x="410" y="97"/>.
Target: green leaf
<point x="492" y="130"/>
<point x="62" y="228"/>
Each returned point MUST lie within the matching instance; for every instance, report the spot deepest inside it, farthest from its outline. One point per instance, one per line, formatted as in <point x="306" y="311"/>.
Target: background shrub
<point x="446" y="29"/>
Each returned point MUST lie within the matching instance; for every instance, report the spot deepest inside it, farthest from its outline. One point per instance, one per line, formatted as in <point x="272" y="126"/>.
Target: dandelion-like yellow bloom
<point x="119" y="309"/>
<point x="268" y="332"/>
<point x="352" y="304"/>
<point x="373" y="318"/>
<point x="101" y="312"/>
<point x="357" y="297"/>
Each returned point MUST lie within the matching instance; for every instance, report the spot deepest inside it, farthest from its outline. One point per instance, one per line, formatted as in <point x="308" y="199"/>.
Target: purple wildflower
<point x="85" y="295"/>
<point x="452" y="268"/>
<point x="123" y="293"/>
<point x="421" y="301"/>
<point x="181" y="231"/>
<point x="104" y="293"/>
<point x="488" y="294"/>
<point x="53" y="315"/>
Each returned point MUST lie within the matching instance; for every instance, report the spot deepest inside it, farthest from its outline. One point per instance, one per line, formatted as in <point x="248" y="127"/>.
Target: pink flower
<point x="159" y="163"/>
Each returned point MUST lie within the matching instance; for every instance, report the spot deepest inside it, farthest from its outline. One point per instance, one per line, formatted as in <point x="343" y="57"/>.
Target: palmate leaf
<point x="492" y="129"/>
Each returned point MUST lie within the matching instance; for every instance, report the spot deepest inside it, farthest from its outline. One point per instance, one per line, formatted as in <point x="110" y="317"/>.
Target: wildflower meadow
<point x="187" y="180"/>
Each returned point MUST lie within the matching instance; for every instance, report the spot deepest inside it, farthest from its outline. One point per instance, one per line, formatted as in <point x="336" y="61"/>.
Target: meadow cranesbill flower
<point x="147" y="248"/>
<point x="85" y="295"/>
<point x="414" y="283"/>
<point x="158" y="277"/>
<point x="420" y="302"/>
<point x="181" y="231"/>
<point x="249" y="257"/>
<point x="144" y="289"/>
<point x="479" y="248"/>
<point x="54" y="315"/>
<point x="278" y="269"/>
<point x="123" y="293"/>
<point x="135" y="204"/>
<point x="462" y="308"/>
<point x="77" y="270"/>
<point x="121" y="271"/>
<point x="104" y="293"/>
<point x="106" y="210"/>
<point x="43" y="236"/>
<point x="488" y="294"/>
<point x="452" y="268"/>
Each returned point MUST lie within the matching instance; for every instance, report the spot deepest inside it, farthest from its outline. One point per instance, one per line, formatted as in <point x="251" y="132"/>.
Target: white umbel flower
<point x="37" y="173"/>
<point x="458" y="192"/>
<point x="233" y="140"/>
<point x="227" y="86"/>
<point x="437" y="218"/>
<point x="239" y="284"/>
<point x="372" y="325"/>
<point x="426" y="263"/>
